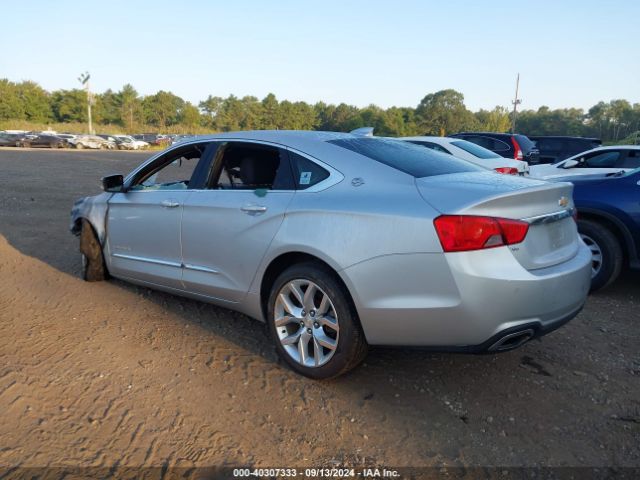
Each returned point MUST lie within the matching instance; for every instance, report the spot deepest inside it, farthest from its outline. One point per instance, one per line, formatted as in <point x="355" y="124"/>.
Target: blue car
<point x="609" y="222"/>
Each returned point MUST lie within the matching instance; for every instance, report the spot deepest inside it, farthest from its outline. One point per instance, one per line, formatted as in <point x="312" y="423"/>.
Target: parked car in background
<point x="107" y="137"/>
<point x="153" y="138"/>
<point x="609" y="222"/>
<point x="599" y="160"/>
<point x="67" y="136"/>
<point x="11" y="139"/>
<point x="92" y="141"/>
<point x="328" y="236"/>
<point x="43" y="140"/>
<point x="181" y="138"/>
<point x="472" y="153"/>
<point x="556" y="148"/>
<point x="127" y="142"/>
<point x="507" y="145"/>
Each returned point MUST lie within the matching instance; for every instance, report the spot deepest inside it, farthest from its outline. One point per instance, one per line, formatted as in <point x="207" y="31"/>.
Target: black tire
<point x="93" y="267"/>
<point x="351" y="346"/>
<point x="598" y="236"/>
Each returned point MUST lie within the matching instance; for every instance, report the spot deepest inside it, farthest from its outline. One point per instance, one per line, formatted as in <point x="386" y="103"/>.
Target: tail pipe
<point x="512" y="340"/>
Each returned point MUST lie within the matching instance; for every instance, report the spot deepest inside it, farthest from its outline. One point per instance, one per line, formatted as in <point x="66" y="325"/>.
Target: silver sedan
<point x="340" y="241"/>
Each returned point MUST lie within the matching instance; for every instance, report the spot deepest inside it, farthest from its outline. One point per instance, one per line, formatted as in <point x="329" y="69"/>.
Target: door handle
<point x="170" y="204"/>
<point x="253" y="209"/>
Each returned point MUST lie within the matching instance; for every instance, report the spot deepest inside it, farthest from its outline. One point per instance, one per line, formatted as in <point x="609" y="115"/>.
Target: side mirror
<point x="112" y="183"/>
<point x="570" y="164"/>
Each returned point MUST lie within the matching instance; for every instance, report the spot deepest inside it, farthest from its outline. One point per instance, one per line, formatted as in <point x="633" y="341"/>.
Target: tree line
<point x="439" y="113"/>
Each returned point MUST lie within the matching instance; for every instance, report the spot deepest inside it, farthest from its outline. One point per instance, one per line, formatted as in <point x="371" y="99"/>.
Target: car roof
<point x="305" y="140"/>
<point x="433" y="139"/>
<point x="497" y="134"/>
<point x="601" y="149"/>
<point x="564" y="137"/>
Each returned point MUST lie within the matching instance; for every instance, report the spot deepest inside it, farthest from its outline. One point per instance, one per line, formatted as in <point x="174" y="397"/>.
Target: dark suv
<point x="507" y="145"/>
<point x="556" y="148"/>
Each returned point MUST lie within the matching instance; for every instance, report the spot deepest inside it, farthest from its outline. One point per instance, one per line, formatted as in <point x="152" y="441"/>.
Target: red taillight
<point x="517" y="151"/>
<point x="507" y="170"/>
<point x="460" y="233"/>
<point x="574" y="214"/>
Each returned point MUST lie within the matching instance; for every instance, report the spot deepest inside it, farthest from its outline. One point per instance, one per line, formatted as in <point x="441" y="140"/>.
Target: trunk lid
<point x="552" y="237"/>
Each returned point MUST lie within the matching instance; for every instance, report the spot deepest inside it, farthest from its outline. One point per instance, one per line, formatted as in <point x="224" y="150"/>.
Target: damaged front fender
<point x="94" y="210"/>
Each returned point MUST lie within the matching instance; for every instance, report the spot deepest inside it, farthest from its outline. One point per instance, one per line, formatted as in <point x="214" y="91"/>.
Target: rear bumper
<point x="464" y="301"/>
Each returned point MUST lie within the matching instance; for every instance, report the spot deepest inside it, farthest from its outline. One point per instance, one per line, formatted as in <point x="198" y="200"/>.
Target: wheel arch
<point x="617" y="228"/>
<point x="285" y="260"/>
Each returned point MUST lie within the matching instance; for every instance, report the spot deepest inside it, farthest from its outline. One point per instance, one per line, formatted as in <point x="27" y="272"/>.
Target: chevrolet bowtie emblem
<point x="563" y="202"/>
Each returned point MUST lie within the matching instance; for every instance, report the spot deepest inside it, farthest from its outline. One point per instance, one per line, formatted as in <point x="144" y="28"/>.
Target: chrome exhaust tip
<point x="512" y="340"/>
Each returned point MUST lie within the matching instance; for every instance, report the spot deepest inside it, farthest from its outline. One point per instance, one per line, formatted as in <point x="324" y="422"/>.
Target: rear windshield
<point x="406" y="157"/>
<point x="475" y="150"/>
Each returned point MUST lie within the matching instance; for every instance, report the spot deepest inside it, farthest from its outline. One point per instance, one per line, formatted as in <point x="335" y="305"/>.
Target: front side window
<point x="251" y="166"/>
<point x="601" y="160"/>
<point x="173" y="173"/>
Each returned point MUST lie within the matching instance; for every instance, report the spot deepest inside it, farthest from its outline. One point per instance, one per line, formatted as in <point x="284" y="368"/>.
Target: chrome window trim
<point x="334" y="177"/>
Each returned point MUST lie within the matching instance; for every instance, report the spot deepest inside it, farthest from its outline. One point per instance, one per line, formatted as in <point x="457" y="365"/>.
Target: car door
<point x="143" y="223"/>
<point x="228" y="227"/>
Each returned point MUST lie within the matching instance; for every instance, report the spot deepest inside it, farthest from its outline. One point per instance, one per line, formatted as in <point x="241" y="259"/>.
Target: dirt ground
<point x="109" y="374"/>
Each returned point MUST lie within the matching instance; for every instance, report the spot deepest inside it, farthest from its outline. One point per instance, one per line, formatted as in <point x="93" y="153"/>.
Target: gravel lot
<point x="110" y="374"/>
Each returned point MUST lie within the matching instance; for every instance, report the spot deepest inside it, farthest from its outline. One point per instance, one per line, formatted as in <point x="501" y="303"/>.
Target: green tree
<point x="36" y="102"/>
<point x="210" y="108"/>
<point x="496" y="120"/>
<point x="162" y="109"/>
<point x="69" y="105"/>
<point x="189" y="116"/>
<point x="131" y="112"/>
<point x="108" y="108"/>
<point x="444" y="112"/>
<point x="11" y="108"/>
<point x="270" y="112"/>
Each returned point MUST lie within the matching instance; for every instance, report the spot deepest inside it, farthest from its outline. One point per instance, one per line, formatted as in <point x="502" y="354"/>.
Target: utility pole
<point x="515" y="102"/>
<point x="84" y="80"/>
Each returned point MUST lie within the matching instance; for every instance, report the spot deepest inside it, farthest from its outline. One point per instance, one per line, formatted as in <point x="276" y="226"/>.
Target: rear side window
<point x="431" y="145"/>
<point x="631" y="160"/>
<point x="306" y="173"/>
<point x="475" y="150"/>
<point x="547" y="144"/>
<point x="489" y="143"/>
<point x="524" y="142"/>
<point x="406" y="157"/>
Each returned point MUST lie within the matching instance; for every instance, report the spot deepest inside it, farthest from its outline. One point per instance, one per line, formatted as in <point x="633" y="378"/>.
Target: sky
<point x="568" y="53"/>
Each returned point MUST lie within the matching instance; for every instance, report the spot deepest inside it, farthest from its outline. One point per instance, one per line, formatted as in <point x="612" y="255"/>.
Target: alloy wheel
<point x="306" y="323"/>
<point x="596" y="254"/>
